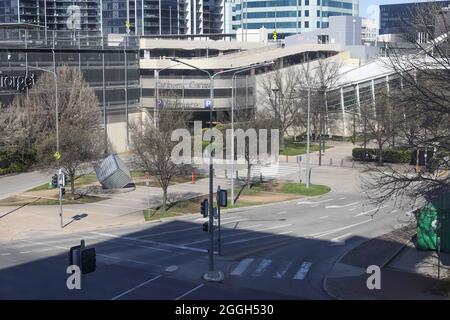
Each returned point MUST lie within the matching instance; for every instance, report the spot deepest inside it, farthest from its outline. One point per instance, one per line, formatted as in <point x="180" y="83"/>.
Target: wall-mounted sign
<point x="18" y="83"/>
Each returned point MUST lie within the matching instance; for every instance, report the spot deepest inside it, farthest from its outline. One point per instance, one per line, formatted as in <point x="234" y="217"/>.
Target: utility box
<point x="112" y="173"/>
<point x="434" y="223"/>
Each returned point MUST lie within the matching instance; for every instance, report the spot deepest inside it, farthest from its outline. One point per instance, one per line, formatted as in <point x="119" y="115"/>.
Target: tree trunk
<point x="380" y="154"/>
<point x="249" y="169"/>
<point x="164" y="199"/>
<point x="72" y="182"/>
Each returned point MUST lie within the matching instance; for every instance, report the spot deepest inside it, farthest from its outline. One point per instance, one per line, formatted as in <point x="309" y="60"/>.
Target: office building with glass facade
<point x="288" y="17"/>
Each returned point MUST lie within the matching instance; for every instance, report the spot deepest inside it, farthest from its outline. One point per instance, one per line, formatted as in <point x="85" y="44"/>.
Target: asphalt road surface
<point x="279" y="251"/>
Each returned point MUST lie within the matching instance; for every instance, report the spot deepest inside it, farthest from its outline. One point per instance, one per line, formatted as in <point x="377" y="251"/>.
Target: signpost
<point x="147" y="183"/>
<point x="61" y="185"/>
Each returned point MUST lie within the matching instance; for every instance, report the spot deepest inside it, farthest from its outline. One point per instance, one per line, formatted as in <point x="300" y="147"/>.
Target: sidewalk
<point x="401" y="274"/>
<point x="125" y="208"/>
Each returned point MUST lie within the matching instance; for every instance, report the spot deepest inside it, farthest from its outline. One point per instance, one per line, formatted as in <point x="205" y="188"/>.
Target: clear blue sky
<point x="366" y="6"/>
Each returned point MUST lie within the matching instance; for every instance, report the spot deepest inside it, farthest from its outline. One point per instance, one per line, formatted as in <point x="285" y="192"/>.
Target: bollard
<point x="260" y="177"/>
<point x="342" y="162"/>
<point x="237" y="174"/>
<point x="193" y="176"/>
<point x="331" y="161"/>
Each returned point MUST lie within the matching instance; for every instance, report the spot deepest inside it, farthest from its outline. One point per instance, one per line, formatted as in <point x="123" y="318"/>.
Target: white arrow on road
<point x="342" y="206"/>
<point x="314" y="202"/>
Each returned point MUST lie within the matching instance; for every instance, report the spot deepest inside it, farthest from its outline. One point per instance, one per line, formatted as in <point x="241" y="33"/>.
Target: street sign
<point x="275" y="35"/>
<point x="208" y="104"/>
<point x="61" y="178"/>
<point x="57" y="155"/>
<point x="128" y="26"/>
<point x="159" y="103"/>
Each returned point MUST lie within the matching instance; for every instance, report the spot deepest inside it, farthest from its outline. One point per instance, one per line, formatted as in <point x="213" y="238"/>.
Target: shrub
<point x="389" y="155"/>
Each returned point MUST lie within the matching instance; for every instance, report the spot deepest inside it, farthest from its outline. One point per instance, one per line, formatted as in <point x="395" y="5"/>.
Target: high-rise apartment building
<point x="139" y="17"/>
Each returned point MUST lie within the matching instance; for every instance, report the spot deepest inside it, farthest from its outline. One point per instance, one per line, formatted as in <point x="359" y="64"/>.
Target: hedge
<point x="389" y="155"/>
<point x="15" y="162"/>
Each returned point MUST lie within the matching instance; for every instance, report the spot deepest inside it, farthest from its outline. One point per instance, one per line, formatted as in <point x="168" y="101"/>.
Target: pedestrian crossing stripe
<point x="301" y="273"/>
<point x="240" y="268"/>
<point x="264" y="265"/>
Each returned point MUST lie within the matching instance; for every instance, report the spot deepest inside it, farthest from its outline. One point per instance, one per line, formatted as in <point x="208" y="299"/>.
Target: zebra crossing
<point x="272" y="171"/>
<point x="253" y="267"/>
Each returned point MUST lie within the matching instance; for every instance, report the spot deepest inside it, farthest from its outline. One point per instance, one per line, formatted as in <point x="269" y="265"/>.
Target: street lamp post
<point x="234" y="91"/>
<point x="56" y="103"/>
<point x="57" y="136"/>
<point x="211" y="275"/>
<point x="307" y="141"/>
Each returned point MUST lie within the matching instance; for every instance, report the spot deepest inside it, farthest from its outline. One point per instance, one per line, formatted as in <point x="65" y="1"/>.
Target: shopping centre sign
<point x="18" y="83"/>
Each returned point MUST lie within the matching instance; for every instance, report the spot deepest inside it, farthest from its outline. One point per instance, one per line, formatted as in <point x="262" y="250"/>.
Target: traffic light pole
<point x="60" y="206"/>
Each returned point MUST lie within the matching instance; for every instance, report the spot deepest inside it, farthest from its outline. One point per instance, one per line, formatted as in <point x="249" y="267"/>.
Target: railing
<point x="24" y="38"/>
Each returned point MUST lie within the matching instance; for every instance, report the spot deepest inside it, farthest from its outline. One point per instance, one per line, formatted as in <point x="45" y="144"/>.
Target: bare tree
<point x="78" y="116"/>
<point x="280" y="99"/>
<point x="318" y="76"/>
<point x="152" y="145"/>
<point x="424" y="72"/>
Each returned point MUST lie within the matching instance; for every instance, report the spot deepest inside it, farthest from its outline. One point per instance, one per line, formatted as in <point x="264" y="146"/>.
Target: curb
<point x="338" y="260"/>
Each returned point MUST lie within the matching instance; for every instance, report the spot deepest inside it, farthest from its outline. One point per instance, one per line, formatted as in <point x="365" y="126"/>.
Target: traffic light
<point x="55" y="181"/>
<point x="205" y="226"/>
<point x="88" y="261"/>
<point x="63" y="191"/>
<point x="204" y="208"/>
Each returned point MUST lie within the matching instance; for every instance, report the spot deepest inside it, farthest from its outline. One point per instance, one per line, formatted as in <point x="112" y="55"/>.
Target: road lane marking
<point x="343" y="198"/>
<point x="262" y="267"/>
<point x="255" y="238"/>
<point x="241" y="267"/>
<point x="282" y="270"/>
<point x="135" y="288"/>
<point x="5" y="254"/>
<point x="314" y="202"/>
<point x="324" y="233"/>
<point x="166" y="232"/>
<point x="341" y="239"/>
<point x="25" y="251"/>
<point x="369" y="211"/>
<point x="164" y="244"/>
<point x="281" y="212"/>
<point x="323" y="217"/>
<point x="240" y="234"/>
<point x="352" y="209"/>
<point x="301" y="273"/>
<point x="341" y="206"/>
<point x="190" y="291"/>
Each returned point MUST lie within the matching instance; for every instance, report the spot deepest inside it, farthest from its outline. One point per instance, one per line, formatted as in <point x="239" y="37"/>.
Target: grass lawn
<point x="297" y="188"/>
<point x="257" y="194"/>
<point x="79" y="182"/>
<point x="179" y="208"/>
<point x="293" y="149"/>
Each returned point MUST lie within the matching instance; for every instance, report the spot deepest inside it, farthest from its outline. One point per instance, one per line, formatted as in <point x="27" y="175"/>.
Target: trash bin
<point x="426" y="232"/>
